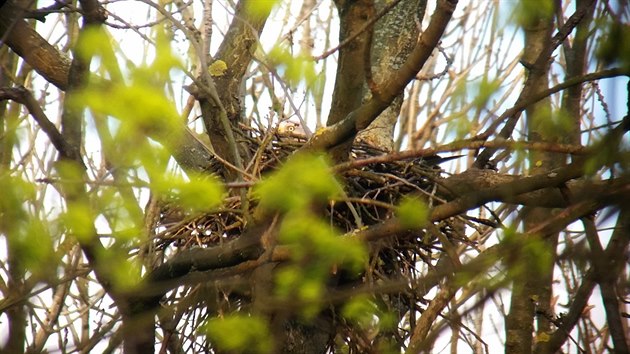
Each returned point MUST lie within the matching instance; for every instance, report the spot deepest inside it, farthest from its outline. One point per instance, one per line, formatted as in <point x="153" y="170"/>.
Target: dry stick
<point x="428" y="317"/>
<point x="615" y="251"/>
<point x="23" y="96"/>
<point x="470" y="200"/>
<point x="458" y="146"/>
<point x="52" y="316"/>
<point x="520" y="105"/>
<point x="535" y="70"/>
<point x="606" y="276"/>
<point x="430" y="314"/>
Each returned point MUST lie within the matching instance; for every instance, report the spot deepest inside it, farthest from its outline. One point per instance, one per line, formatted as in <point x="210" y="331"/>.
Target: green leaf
<point x="300" y="68"/>
<point x="551" y="125"/>
<point x="361" y="311"/>
<point x="141" y="104"/>
<point x="304" y="179"/>
<point x="79" y="219"/>
<point x="412" y="212"/>
<point x="305" y="284"/>
<point x="530" y="12"/>
<point x="260" y="9"/>
<point x="96" y="42"/>
<point x="124" y="272"/>
<point x="165" y="59"/>
<point x="316" y="249"/>
<point x="310" y="235"/>
<point x="14" y="192"/>
<point x="311" y="289"/>
<point x="287" y="278"/>
<point x="32" y="244"/>
<point x="238" y="333"/>
<point x="613" y="47"/>
<point x="142" y="108"/>
<point x="525" y="254"/>
<point x="122" y="214"/>
<point x="199" y="193"/>
<point x="299" y="228"/>
<point x="485" y="91"/>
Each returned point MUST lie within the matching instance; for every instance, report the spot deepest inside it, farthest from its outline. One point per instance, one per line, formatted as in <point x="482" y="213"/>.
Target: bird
<point x="292" y="128"/>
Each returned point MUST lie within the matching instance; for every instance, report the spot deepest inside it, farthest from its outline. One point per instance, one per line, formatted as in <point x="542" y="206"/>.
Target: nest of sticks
<point x="371" y="194"/>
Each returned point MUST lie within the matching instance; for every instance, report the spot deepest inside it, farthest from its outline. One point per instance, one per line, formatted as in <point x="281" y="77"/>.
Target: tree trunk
<point x="394" y="37"/>
<point x="532" y="285"/>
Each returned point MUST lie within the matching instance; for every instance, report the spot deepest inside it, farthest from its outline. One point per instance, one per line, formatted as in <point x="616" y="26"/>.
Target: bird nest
<point x="371" y="193"/>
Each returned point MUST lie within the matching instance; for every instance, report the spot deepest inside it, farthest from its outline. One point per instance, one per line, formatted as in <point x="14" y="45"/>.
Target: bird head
<point x="291" y="128"/>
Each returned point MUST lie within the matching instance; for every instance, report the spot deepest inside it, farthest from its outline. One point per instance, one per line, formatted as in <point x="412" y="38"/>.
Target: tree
<point x="152" y="204"/>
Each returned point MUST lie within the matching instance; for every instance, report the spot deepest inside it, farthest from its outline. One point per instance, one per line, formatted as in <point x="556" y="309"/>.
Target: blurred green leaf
<point x="316" y="249"/>
<point x="530" y="12"/>
<point x="79" y="219"/>
<point x="525" y="254"/>
<point x="286" y="279"/>
<point x="303" y="284"/>
<point x="302" y="180"/>
<point x="486" y="89"/>
<point x="123" y="215"/>
<point x="361" y="311"/>
<point x="239" y="333"/>
<point x="141" y="104"/>
<point x="613" y="46"/>
<point x="538" y="254"/>
<point x="15" y="192"/>
<point x="311" y="289"/>
<point x="299" y="68"/>
<point x="36" y="248"/>
<point x="143" y="109"/>
<point x="198" y="193"/>
<point x="96" y="42"/>
<point x="124" y="271"/>
<point x="551" y="125"/>
<point x="312" y="236"/>
<point x="260" y="8"/>
<point x="412" y="212"/>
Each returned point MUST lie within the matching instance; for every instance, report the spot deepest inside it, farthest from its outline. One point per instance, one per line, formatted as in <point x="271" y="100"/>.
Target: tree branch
<point x="23" y="96"/>
<point x="614" y="254"/>
<point x="49" y="62"/>
<point x="536" y="70"/>
<point x="361" y="117"/>
<point x="607" y="274"/>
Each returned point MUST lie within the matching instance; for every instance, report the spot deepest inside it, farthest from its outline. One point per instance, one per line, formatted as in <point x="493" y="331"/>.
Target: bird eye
<point x="291" y="128"/>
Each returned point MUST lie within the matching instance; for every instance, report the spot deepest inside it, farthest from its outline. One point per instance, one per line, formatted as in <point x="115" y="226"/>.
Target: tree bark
<point x="350" y="78"/>
<point x="394" y="37"/>
<point x="531" y="289"/>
